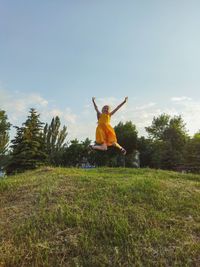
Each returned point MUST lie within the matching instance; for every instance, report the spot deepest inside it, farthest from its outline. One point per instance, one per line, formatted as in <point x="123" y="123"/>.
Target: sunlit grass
<point x="100" y="217"/>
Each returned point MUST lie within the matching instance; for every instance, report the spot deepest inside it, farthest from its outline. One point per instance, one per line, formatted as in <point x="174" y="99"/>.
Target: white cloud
<point x="37" y="99"/>
<point x="69" y="116"/>
<point x="18" y="104"/>
<point x="84" y="124"/>
<point x="142" y="115"/>
<point x="146" y="106"/>
<point x="189" y="109"/>
<point x="54" y="112"/>
<point x="181" y="98"/>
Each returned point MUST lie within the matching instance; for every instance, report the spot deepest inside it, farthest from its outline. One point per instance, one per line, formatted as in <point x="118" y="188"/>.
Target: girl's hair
<point x="106" y="106"/>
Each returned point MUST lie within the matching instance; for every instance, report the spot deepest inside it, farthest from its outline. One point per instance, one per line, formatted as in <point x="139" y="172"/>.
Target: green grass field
<point x="100" y="217"/>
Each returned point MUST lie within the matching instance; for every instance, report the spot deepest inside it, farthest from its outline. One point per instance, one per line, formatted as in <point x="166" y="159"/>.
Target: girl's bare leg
<point x="120" y="148"/>
<point x="102" y="147"/>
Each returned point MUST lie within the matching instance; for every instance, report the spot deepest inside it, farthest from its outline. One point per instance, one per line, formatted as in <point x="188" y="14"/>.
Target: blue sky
<point x="56" y="55"/>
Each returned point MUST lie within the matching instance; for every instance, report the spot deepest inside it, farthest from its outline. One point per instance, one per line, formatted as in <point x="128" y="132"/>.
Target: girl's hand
<point x="126" y="99"/>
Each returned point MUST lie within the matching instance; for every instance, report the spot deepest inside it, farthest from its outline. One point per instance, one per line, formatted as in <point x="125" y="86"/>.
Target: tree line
<point x="166" y="146"/>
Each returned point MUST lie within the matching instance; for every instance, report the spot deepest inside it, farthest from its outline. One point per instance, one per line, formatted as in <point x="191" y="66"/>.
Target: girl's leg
<point x="102" y="147"/>
<point x="120" y="148"/>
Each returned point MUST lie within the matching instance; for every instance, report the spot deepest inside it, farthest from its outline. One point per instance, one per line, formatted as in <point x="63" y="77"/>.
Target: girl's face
<point x="106" y="109"/>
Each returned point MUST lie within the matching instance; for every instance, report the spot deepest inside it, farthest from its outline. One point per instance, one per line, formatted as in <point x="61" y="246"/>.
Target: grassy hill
<point x="100" y="217"/>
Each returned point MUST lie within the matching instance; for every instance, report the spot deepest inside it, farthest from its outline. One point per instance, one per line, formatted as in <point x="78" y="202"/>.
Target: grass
<point x="100" y="217"/>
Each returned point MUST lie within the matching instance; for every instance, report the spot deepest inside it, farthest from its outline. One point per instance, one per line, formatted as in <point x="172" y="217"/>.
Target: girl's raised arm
<point x="119" y="106"/>
<point x="95" y="106"/>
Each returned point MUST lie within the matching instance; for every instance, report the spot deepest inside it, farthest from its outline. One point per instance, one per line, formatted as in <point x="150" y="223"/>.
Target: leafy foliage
<point x="167" y="146"/>
<point x="4" y="132"/>
<point x="28" y="146"/>
<point x="169" y="138"/>
<point x="192" y="153"/>
<point x="54" y="139"/>
<point x="76" y="153"/>
<point x="127" y="136"/>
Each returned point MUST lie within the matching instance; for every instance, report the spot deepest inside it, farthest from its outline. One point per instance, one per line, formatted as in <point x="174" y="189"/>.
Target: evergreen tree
<point x="4" y="139"/>
<point x="28" y="145"/>
<point x="4" y="132"/>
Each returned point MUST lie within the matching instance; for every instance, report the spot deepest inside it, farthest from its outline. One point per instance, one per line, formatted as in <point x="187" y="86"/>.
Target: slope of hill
<point x="100" y="217"/>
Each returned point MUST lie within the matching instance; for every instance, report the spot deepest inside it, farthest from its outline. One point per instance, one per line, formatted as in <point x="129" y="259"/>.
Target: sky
<point x="56" y="55"/>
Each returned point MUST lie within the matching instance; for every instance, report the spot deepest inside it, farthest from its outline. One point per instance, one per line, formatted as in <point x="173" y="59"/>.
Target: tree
<point x="169" y="137"/>
<point x="127" y="138"/>
<point x="4" y="139"/>
<point x="4" y="132"/>
<point x="54" y="140"/>
<point x="127" y="135"/>
<point x="28" y="146"/>
<point x="175" y="138"/>
<point x="75" y="153"/>
<point x="192" y="154"/>
<point x="145" y="147"/>
<point x="104" y="158"/>
<point x="158" y="127"/>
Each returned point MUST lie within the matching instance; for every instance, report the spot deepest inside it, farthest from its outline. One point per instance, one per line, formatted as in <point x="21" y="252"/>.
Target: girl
<point x="105" y="134"/>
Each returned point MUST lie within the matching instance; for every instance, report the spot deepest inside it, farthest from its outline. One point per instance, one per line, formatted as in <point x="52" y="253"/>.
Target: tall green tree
<point x="169" y="138"/>
<point x="127" y="135"/>
<point x="54" y="139"/>
<point x="4" y="131"/>
<point x="145" y="147"/>
<point x="158" y="127"/>
<point x="74" y="153"/>
<point x="4" y="138"/>
<point x="175" y="138"/>
<point x="28" y="145"/>
<point x="192" y="154"/>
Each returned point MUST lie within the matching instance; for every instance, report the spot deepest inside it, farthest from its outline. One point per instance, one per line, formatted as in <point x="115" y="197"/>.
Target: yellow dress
<point x="105" y="134"/>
